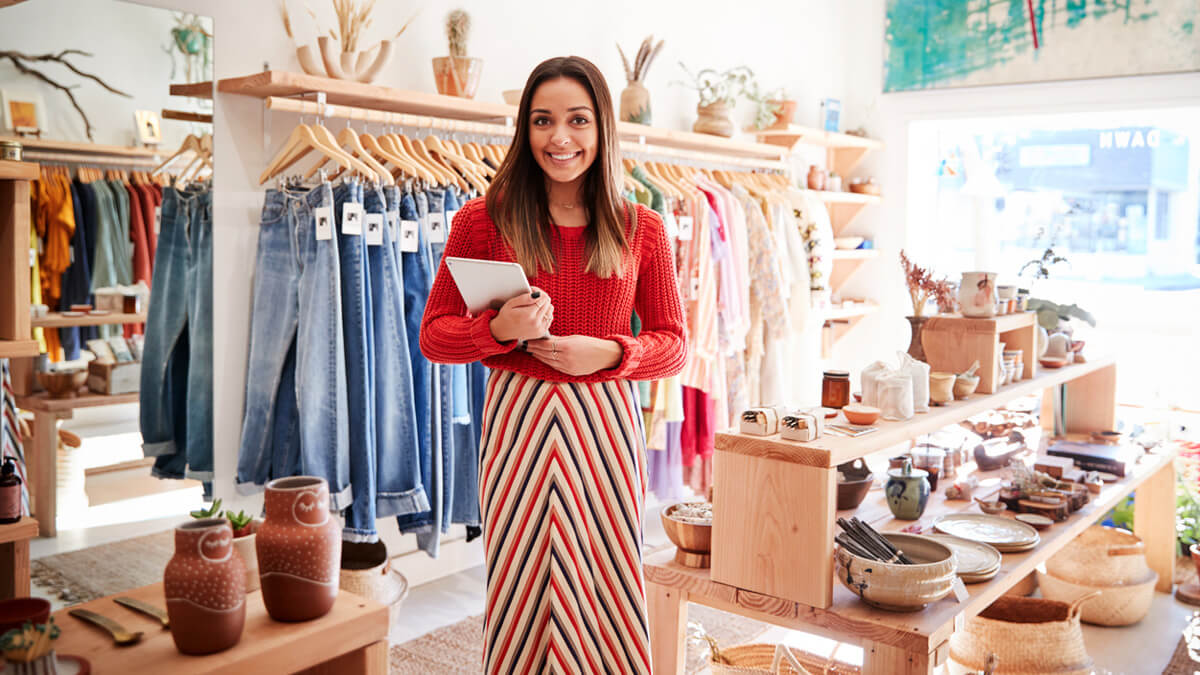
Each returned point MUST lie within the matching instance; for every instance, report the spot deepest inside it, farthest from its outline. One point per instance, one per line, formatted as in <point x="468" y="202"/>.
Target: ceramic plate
<point x="72" y="313"/>
<point x="974" y="558"/>
<point x="1035" y="519"/>
<point x="98" y="312"/>
<point x="992" y="530"/>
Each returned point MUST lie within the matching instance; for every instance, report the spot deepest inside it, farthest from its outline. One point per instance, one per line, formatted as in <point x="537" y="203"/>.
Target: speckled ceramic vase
<point x="299" y="549"/>
<point x="205" y="588"/>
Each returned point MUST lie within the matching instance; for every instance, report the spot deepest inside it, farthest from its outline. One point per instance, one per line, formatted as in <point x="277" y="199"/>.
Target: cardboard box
<point x="114" y="378"/>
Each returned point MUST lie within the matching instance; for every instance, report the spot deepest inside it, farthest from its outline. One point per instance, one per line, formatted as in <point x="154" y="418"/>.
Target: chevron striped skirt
<point x="562" y="482"/>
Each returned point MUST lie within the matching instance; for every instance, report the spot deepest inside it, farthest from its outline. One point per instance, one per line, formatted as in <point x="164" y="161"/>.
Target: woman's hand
<point x="576" y="355"/>
<point x="525" y="317"/>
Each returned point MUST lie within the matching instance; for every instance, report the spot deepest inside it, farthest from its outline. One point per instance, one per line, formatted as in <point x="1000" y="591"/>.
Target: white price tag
<point x="374" y="235"/>
<point x="323" y="222"/>
<point x="671" y="225"/>
<point x="409" y="236"/>
<point x="437" y="228"/>
<point x="450" y="220"/>
<point x="157" y="219"/>
<point x="960" y="590"/>
<point x="959" y="622"/>
<point x="686" y="224"/>
<point x="352" y="218"/>
<point x="32" y="257"/>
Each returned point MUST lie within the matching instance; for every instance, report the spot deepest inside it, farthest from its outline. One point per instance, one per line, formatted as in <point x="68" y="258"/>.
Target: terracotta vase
<point x="635" y="104"/>
<point x="715" y="119"/>
<point x="787" y="111"/>
<point x="915" y="348"/>
<point x="816" y="177"/>
<point x="299" y="548"/>
<point x="205" y="588"/>
<point x="457" y="75"/>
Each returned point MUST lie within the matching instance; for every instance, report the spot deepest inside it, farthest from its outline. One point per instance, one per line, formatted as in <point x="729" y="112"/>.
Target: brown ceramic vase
<point x="299" y="549"/>
<point x="205" y="588"/>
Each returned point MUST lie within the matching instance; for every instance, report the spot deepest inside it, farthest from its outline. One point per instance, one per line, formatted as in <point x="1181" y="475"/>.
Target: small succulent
<point x="213" y="511"/>
<point x="241" y="523"/>
<point x="713" y="87"/>
<point x="458" y="27"/>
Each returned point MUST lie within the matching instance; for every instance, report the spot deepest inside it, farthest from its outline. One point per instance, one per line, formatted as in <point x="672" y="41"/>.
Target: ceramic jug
<point x="977" y="294"/>
<point x="907" y="491"/>
<point x="299" y="547"/>
<point x="205" y="588"/>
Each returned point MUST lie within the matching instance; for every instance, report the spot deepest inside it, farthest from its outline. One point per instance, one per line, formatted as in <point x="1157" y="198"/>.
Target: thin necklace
<point x="567" y="206"/>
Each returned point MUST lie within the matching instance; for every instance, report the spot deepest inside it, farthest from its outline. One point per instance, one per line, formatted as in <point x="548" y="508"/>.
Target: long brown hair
<point x="517" y="201"/>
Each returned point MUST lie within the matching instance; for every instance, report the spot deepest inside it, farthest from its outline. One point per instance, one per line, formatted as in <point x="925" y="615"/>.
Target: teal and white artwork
<point x="934" y="44"/>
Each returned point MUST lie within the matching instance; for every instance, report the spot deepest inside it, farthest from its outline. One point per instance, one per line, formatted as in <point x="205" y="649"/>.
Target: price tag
<point x="671" y="225"/>
<point x="32" y="257"/>
<point x="960" y="590"/>
<point x="437" y="228"/>
<point x="450" y="219"/>
<point x="352" y="218"/>
<point x="374" y="222"/>
<point x="323" y="222"/>
<point x="686" y="224"/>
<point x="409" y="238"/>
<point x="959" y="622"/>
<point x="157" y="219"/>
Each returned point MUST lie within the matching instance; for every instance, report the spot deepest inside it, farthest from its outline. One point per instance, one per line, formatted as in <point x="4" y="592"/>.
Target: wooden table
<point x="915" y="642"/>
<point x="350" y="639"/>
<point x="14" y="557"/>
<point x="41" y="455"/>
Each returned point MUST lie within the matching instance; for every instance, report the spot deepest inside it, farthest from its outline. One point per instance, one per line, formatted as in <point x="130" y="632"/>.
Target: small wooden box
<point x="953" y="342"/>
<point x="1055" y="466"/>
<point x="114" y="378"/>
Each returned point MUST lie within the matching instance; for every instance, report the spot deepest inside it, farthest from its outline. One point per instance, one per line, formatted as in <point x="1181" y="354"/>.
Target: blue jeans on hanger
<point x="297" y="302"/>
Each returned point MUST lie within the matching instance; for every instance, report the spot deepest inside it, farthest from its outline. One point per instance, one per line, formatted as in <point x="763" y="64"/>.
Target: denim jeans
<point x="176" y="412"/>
<point x="297" y="299"/>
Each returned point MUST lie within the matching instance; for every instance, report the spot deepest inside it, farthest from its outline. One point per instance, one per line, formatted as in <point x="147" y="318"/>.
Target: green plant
<point x="1041" y="266"/>
<point x="240" y="522"/>
<point x="766" y="104"/>
<point x="213" y="511"/>
<point x="1050" y="314"/>
<point x="1187" y="517"/>
<point x="718" y="87"/>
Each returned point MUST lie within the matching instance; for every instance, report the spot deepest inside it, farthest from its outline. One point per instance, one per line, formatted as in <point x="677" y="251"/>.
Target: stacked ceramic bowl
<point x="976" y="561"/>
<point x="898" y="587"/>
<point x="1109" y="563"/>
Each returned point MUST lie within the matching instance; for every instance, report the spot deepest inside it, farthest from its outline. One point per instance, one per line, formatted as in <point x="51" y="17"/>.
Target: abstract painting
<point x="933" y="44"/>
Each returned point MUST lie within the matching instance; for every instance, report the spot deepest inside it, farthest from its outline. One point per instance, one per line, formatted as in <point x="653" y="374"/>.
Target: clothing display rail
<point x="105" y="160"/>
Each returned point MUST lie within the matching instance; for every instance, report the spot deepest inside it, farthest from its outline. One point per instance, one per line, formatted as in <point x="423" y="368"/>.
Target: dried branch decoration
<point x="18" y="60"/>
<point x="641" y="63"/>
<point x="353" y="18"/>
<point x="458" y="27"/>
<point x="922" y="286"/>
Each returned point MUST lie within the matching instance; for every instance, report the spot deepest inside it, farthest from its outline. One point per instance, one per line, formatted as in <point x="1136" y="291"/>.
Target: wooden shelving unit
<point x="82" y="148"/>
<point x="84" y="399"/>
<point x="16" y="336"/>
<point x="845" y="151"/>
<point x="57" y="320"/>
<point x="846" y="263"/>
<point x="15" y="349"/>
<point x="841" y="320"/>
<point x="187" y="116"/>
<point x="844" y="207"/>
<point x="14" y="557"/>
<point x="194" y="90"/>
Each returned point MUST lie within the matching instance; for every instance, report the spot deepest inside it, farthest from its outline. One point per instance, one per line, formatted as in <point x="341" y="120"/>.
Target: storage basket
<point x="1029" y="636"/>
<point x="1113" y="606"/>
<point x="1101" y="556"/>
<point x="761" y="659"/>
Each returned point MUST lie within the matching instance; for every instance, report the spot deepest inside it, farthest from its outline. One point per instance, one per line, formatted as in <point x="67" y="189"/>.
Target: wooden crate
<point x="114" y="378"/>
<point x="953" y="342"/>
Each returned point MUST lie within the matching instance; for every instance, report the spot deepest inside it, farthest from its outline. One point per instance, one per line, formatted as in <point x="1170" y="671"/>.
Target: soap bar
<point x="761" y="421"/>
<point x="802" y="426"/>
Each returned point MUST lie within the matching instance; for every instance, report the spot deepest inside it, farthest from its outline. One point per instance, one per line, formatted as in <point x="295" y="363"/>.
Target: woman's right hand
<point x="525" y="317"/>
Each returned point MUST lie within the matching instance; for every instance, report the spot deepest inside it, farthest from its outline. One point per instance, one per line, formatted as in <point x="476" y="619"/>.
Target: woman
<point x="562" y="465"/>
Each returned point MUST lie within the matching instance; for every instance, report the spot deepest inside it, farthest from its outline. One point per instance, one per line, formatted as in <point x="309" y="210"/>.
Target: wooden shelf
<point x="57" y="320"/>
<point x="81" y="148"/>
<point x="15" y="349"/>
<point x="85" y="399"/>
<point x="796" y="135"/>
<point x="25" y="528"/>
<point x="840" y="321"/>
<point x="854" y="254"/>
<point x="187" y="116"/>
<point x="857" y="311"/>
<point x="687" y="140"/>
<point x="831" y="197"/>
<point x="830" y="451"/>
<point x="194" y="90"/>
<point x="846" y="263"/>
<point x="10" y="170"/>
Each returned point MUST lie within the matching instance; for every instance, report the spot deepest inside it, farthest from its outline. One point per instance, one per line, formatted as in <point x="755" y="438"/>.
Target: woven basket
<point x="1101" y="556"/>
<point x="760" y="659"/>
<point x="1113" y="606"/>
<point x="1029" y="636"/>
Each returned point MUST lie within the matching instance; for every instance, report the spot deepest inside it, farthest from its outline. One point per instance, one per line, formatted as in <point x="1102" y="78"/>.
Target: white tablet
<point x="487" y="284"/>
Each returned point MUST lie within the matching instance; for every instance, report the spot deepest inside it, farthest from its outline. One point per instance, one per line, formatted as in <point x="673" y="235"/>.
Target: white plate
<point x="993" y="530"/>
<point x="974" y="558"/>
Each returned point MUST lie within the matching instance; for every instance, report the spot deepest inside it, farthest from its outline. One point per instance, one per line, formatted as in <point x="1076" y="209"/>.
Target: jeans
<point x="176" y="412"/>
<point x="297" y="300"/>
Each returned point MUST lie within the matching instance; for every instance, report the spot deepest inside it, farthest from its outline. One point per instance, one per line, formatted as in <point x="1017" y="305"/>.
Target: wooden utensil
<point x="145" y="608"/>
<point x="119" y="635"/>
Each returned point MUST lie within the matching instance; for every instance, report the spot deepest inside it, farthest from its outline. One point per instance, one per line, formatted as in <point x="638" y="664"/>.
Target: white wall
<point x="127" y="43"/>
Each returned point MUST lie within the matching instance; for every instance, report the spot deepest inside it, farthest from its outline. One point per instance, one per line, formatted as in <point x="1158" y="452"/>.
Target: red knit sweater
<point x="584" y="304"/>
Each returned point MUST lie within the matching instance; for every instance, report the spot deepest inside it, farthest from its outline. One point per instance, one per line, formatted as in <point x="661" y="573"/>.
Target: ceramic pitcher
<point x="907" y="491"/>
<point x="299" y="547"/>
<point x="205" y="588"/>
<point x="977" y="294"/>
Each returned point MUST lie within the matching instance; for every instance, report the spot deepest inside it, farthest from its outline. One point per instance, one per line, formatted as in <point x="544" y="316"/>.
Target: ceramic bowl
<point x="854" y="485"/>
<point x="846" y="243"/>
<point x="941" y="387"/>
<point x="16" y="611"/>
<point x="64" y="384"/>
<point x="900" y="588"/>
<point x="991" y="508"/>
<point x="965" y="385"/>
<point x="691" y="537"/>
<point x="1006" y="292"/>
<point x="512" y="96"/>
<point x="862" y="415"/>
<point x="1052" y="361"/>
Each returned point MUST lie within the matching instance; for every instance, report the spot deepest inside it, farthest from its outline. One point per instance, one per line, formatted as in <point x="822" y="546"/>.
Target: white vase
<point x="245" y="548"/>
<point x="977" y="294"/>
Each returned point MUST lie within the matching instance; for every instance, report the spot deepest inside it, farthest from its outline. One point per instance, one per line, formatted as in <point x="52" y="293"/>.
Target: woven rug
<point x="457" y="649"/>
<point x="103" y="570"/>
<point x="1182" y="662"/>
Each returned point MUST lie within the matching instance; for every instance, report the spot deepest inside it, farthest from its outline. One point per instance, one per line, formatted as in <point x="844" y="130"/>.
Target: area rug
<point x="80" y="576"/>
<point x="457" y="649"/>
<point x="1182" y="661"/>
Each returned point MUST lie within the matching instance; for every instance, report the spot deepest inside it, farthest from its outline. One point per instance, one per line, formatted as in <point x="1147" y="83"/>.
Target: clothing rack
<point x="631" y="149"/>
<point x="71" y="158"/>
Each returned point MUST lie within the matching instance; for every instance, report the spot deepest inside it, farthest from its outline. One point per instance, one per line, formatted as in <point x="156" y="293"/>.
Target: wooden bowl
<point x="862" y="415"/>
<point x="991" y="508"/>
<point x="693" y="540"/>
<point x="900" y="588"/>
<point x="63" y="385"/>
<point x="1052" y="361"/>
<point x="16" y="611"/>
<point x="856" y="484"/>
<point x="865" y="188"/>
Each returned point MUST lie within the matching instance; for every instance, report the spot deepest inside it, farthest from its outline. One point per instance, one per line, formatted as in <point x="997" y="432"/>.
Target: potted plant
<point x="718" y="94"/>
<point x="772" y="109"/>
<point x="922" y="288"/>
<point x="635" y="99"/>
<point x="244" y="527"/>
<point x="457" y="74"/>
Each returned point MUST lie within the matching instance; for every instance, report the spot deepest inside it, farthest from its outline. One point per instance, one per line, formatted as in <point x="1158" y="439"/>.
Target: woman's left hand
<point x="576" y="355"/>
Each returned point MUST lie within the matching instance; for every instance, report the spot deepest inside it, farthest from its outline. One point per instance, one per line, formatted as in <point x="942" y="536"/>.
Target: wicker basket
<point x="1101" y="556"/>
<point x="761" y="659"/>
<point x="1113" y="606"/>
<point x="1029" y="636"/>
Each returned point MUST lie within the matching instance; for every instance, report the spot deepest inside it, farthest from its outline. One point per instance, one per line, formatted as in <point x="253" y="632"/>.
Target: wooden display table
<point x="350" y="639"/>
<point x="913" y="642"/>
<point x="14" y="557"/>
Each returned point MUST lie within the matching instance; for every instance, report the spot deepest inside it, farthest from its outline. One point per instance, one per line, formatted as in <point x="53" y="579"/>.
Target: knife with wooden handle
<point x="118" y="632"/>
<point x="145" y="608"/>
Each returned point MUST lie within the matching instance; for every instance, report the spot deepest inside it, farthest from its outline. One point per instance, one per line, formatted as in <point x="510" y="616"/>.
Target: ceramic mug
<point x="977" y="294"/>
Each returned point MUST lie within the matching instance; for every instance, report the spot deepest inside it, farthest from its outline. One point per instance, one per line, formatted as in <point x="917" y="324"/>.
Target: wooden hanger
<point x="190" y="144"/>
<point x="357" y="165"/>
<point x="349" y="140"/>
<point x="392" y="144"/>
<point x="445" y="176"/>
<point x="302" y="141"/>
<point x="434" y="173"/>
<point x="471" y="151"/>
<point x="464" y="166"/>
<point x="386" y="156"/>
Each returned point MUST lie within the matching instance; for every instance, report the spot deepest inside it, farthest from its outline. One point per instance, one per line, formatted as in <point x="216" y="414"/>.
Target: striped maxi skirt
<point x="562" y="483"/>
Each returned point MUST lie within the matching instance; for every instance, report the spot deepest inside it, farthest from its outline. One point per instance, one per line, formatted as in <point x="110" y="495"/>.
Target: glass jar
<point x="835" y="389"/>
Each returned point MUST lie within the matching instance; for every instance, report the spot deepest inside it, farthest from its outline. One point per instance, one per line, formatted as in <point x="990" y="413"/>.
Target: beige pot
<point x="635" y="104"/>
<point x="714" y="118"/>
<point x="245" y="548"/>
<point x="457" y="75"/>
<point x="900" y="588"/>
<point x="787" y="111"/>
<point x="941" y="387"/>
